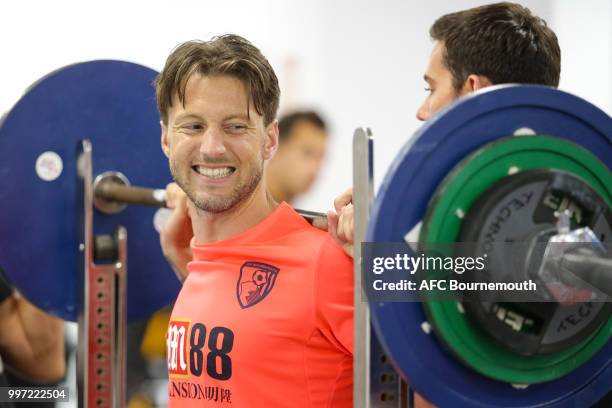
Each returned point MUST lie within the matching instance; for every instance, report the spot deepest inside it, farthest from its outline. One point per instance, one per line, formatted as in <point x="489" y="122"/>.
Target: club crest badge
<point x="255" y="282"/>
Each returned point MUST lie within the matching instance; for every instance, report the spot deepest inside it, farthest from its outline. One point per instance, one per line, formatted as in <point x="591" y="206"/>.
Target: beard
<point x="216" y="204"/>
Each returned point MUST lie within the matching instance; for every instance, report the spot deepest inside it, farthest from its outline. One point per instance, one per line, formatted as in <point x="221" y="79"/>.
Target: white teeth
<point x="214" y="173"/>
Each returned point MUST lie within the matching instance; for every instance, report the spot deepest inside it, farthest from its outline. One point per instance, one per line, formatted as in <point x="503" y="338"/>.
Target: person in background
<point x="31" y="341"/>
<point x="473" y="49"/>
<point x="494" y="44"/>
<point x="302" y="145"/>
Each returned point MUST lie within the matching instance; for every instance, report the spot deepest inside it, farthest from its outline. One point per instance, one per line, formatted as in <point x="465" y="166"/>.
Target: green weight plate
<point x="453" y="198"/>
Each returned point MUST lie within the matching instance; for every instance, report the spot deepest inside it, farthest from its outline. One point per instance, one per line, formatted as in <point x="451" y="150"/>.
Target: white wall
<point x="584" y="29"/>
<point x="361" y="62"/>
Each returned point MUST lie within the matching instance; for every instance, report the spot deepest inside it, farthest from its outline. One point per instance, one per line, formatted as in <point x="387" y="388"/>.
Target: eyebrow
<point x="237" y="116"/>
<point x="428" y="79"/>
<point x="184" y="116"/>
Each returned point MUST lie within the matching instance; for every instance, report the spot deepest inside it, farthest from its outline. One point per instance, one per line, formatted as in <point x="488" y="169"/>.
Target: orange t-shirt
<point x="264" y="319"/>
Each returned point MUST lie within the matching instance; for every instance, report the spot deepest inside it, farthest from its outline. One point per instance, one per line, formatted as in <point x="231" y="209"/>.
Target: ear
<point x="271" y="142"/>
<point x="475" y="82"/>
<point x="164" y="138"/>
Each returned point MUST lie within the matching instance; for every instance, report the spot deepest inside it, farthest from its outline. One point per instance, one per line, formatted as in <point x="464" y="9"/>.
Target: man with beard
<point x="265" y="314"/>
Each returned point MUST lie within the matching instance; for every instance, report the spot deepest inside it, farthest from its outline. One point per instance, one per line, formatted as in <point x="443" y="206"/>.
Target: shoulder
<point x="330" y="253"/>
<point x="320" y="244"/>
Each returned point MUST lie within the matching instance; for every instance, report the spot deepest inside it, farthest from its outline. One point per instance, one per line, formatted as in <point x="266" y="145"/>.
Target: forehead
<point x="435" y="65"/>
<point x="214" y="95"/>
<point x="200" y="88"/>
<point x="306" y="133"/>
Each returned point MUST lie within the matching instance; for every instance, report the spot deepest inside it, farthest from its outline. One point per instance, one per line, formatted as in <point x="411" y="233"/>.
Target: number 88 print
<point x="183" y="354"/>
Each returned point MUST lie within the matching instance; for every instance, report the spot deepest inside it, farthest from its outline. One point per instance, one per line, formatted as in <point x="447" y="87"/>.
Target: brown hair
<point x="502" y="41"/>
<point x="287" y="122"/>
<point x="227" y="54"/>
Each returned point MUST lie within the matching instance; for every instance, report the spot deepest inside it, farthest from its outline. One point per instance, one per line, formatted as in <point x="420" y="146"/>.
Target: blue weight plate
<point x="401" y="204"/>
<point x="111" y="103"/>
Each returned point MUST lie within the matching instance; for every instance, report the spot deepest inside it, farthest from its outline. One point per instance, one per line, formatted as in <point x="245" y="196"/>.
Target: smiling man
<point x="265" y="314"/>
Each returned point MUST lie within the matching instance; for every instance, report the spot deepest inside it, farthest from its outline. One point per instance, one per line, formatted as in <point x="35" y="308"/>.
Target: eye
<point x="428" y="89"/>
<point x="191" y="128"/>
<point x="236" y="128"/>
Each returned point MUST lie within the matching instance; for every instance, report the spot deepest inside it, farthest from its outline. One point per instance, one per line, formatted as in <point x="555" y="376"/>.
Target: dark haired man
<point x="493" y="44"/>
<point x="302" y="145"/>
<point x="475" y="48"/>
<point x="265" y="314"/>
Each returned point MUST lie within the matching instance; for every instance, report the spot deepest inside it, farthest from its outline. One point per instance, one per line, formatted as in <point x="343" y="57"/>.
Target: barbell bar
<point x="111" y="190"/>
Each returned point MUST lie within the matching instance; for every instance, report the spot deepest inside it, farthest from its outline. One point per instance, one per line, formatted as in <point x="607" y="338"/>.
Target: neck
<point x="213" y="227"/>
<point x="279" y="194"/>
<point x="275" y="186"/>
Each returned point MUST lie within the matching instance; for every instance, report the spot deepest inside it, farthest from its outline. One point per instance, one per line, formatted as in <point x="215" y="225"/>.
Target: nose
<point x="213" y="143"/>
<point x="423" y="113"/>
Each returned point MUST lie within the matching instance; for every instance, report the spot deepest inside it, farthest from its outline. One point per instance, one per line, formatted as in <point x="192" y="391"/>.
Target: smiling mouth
<point x="214" y="173"/>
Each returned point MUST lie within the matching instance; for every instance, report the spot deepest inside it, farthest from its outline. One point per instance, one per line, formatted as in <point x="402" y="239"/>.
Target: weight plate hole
<point x="524" y="131"/>
<point x="513" y="170"/>
<point x="385" y="396"/>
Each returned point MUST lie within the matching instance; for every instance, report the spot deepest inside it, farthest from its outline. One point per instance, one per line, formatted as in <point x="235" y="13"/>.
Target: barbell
<point x="448" y="184"/>
<point x="445" y="185"/>
<point x="112" y="193"/>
